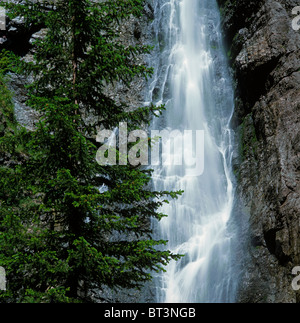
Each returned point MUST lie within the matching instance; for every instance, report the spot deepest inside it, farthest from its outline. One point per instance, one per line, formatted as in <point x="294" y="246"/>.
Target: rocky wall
<point x="264" y="51"/>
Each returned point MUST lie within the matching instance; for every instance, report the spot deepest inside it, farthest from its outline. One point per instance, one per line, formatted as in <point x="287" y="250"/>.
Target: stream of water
<point x="192" y="79"/>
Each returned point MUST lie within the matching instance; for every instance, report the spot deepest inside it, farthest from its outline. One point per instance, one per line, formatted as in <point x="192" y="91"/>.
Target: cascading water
<point x="192" y="79"/>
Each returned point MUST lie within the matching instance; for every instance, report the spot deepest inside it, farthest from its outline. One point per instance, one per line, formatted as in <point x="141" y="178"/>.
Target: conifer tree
<point x="60" y="236"/>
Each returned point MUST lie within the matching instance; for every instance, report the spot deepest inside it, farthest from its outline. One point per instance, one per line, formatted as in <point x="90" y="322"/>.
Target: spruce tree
<point x="60" y="236"/>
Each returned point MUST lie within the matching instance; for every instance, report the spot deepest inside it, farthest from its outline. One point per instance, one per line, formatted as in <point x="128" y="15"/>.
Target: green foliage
<point x="59" y="236"/>
<point x="248" y="142"/>
<point x="7" y="119"/>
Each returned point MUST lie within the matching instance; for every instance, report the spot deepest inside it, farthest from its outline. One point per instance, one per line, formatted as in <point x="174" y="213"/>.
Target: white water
<point x="191" y="77"/>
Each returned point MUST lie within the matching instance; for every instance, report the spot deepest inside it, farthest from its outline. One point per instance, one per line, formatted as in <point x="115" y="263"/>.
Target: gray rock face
<point x="21" y="41"/>
<point x="265" y="54"/>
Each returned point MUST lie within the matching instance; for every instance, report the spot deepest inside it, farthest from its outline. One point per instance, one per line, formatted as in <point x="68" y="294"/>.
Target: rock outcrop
<point x="264" y="51"/>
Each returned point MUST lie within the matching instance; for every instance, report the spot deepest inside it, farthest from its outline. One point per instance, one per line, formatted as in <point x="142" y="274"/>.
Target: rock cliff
<point x="264" y="51"/>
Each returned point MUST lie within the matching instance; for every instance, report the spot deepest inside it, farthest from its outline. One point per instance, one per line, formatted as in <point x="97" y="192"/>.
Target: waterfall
<point x="191" y="77"/>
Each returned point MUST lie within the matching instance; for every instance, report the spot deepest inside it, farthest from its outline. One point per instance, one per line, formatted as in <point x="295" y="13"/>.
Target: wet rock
<point x="265" y="54"/>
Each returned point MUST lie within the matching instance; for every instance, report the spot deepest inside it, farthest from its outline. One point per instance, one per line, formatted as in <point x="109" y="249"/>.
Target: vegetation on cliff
<point x="60" y="236"/>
